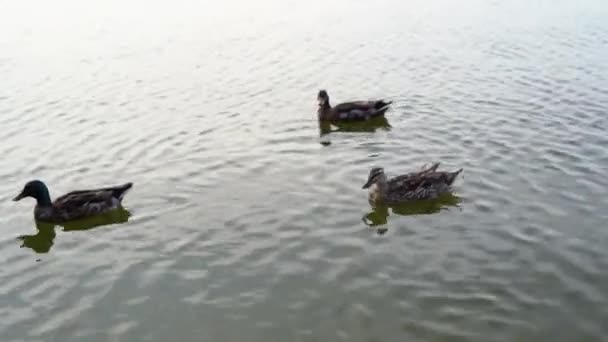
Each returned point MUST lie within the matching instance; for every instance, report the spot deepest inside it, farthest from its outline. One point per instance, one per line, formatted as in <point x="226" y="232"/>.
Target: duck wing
<point x="412" y="179"/>
<point x="427" y="183"/>
<point x="405" y="183"/>
<point x="361" y="109"/>
<point x="82" y="203"/>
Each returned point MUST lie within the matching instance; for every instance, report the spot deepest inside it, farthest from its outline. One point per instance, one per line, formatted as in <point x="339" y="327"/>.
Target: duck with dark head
<point x="73" y="205"/>
<point x="350" y="111"/>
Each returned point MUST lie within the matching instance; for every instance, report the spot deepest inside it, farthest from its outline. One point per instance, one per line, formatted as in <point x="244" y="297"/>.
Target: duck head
<point x="323" y="98"/>
<point x="36" y="189"/>
<point x="376" y="174"/>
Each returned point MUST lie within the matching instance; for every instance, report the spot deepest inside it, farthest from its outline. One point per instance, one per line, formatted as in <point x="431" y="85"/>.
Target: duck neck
<point x="382" y="185"/>
<point x="379" y="189"/>
<point x="324" y="110"/>
<point x="42" y="196"/>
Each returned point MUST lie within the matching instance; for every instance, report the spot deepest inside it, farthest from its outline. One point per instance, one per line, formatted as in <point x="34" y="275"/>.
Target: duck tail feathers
<point x="383" y="105"/>
<point x="119" y="192"/>
<point x="453" y="175"/>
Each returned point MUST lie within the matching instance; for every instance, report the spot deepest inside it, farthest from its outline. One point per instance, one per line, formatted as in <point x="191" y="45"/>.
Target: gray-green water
<point x="246" y="224"/>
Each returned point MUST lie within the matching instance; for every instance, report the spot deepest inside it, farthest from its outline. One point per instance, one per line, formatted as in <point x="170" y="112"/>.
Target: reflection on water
<point x="43" y="240"/>
<point x="377" y="219"/>
<point x="369" y="126"/>
<point x="245" y="228"/>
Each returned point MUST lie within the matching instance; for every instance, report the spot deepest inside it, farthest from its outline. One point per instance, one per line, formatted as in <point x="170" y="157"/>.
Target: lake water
<point x="247" y="221"/>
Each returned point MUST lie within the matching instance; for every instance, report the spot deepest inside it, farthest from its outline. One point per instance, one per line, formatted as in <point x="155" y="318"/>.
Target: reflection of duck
<point x="379" y="215"/>
<point x="424" y="184"/>
<point x="73" y="205"/>
<point x="42" y="241"/>
<point x="350" y="111"/>
<point x="369" y="126"/>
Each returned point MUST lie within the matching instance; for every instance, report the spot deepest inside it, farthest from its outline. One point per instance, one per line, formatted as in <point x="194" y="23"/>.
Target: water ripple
<point x="245" y="218"/>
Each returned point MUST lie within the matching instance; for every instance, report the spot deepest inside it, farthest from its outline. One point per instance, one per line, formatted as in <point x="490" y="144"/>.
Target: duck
<point x="73" y="205"/>
<point x="427" y="183"/>
<point x="350" y="111"/>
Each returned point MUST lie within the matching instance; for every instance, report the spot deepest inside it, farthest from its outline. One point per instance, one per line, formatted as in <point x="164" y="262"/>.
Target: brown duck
<point x="350" y="111"/>
<point x="428" y="183"/>
<point x="73" y="205"/>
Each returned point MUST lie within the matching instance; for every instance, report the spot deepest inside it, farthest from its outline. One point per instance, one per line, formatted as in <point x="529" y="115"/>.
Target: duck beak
<point x="368" y="184"/>
<point x="18" y="197"/>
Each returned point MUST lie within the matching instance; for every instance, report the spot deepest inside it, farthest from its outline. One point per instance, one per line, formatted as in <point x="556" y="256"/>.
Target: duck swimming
<point x="350" y="111"/>
<point x="73" y="205"/>
<point x="424" y="184"/>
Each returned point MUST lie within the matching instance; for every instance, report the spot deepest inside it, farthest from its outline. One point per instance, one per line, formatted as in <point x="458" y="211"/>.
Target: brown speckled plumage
<point x="428" y="183"/>
<point x="350" y="111"/>
<point x="73" y="205"/>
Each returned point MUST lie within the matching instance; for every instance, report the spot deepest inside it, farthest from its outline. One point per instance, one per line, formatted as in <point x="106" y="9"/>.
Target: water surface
<point x="247" y="221"/>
